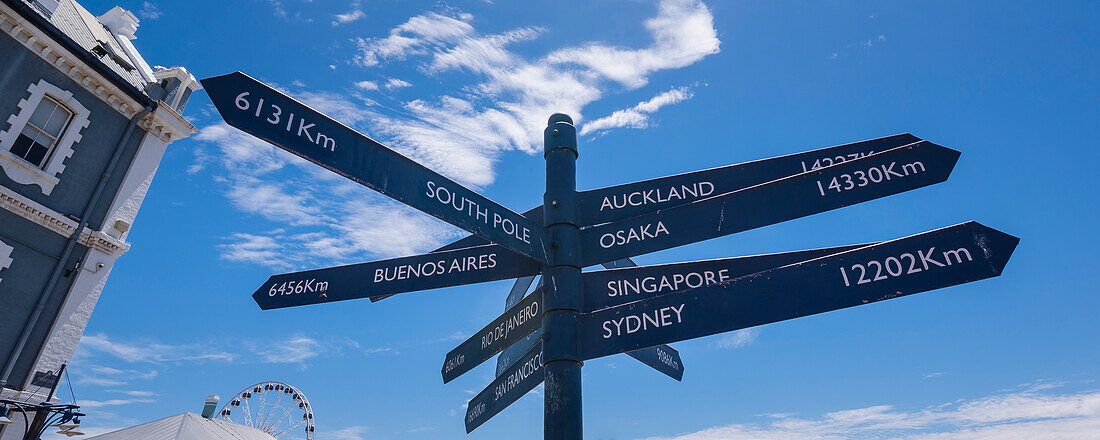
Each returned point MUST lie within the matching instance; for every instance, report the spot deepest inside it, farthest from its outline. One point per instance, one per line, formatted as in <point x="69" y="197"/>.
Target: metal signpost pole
<point x="563" y="297"/>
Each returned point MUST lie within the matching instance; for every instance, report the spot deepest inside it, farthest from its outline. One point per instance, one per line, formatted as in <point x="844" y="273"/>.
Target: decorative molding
<point x="47" y="218"/>
<point x="35" y="40"/>
<point x="166" y="124"/>
<point x="24" y="172"/>
<point x="29" y="209"/>
<point x="5" y="257"/>
<point x="102" y="242"/>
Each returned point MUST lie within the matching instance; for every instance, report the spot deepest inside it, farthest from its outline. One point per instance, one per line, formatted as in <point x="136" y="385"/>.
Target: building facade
<point x="84" y="123"/>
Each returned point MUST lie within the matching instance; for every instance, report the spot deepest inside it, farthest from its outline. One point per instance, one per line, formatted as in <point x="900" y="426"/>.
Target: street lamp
<point x="63" y="417"/>
<point x="4" y="420"/>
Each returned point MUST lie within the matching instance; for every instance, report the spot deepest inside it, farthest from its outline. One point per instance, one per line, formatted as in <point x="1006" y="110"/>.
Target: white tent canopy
<point x="186" y="426"/>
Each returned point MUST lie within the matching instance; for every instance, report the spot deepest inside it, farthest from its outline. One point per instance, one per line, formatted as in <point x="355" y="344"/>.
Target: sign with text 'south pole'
<point x="577" y="316"/>
<point x="268" y="114"/>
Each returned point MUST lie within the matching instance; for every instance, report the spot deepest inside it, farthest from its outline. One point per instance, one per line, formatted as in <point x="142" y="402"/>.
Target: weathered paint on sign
<point x="397" y="275"/>
<point x="268" y="114"/>
<point x="513" y="325"/>
<point x="881" y="174"/>
<point x="932" y="260"/>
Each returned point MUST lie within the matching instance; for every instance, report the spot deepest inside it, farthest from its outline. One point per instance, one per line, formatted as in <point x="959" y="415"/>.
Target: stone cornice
<point x="166" y="124"/>
<point x="36" y="41"/>
<point x="51" y="220"/>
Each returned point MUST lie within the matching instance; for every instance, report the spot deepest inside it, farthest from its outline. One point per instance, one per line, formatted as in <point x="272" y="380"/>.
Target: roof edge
<point x="24" y="10"/>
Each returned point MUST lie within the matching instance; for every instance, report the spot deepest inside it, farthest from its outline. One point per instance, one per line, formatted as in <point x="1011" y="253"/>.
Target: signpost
<point x="575" y="316"/>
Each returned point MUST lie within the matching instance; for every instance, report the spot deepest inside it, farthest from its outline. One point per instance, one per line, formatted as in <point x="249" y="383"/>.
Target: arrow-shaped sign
<point x="610" y="288"/>
<point x="620" y="202"/>
<point x="513" y="383"/>
<point x="513" y="325"/>
<point x="932" y="260"/>
<point x="512" y="352"/>
<point x="268" y="114"/>
<point x="661" y="358"/>
<point x="868" y="178"/>
<point x="387" y="277"/>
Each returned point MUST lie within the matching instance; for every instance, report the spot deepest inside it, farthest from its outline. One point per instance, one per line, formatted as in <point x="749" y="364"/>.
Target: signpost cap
<point x="559" y="117"/>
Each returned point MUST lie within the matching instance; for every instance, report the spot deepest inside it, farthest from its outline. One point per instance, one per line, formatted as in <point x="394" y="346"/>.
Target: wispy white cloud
<point x="100" y="375"/>
<point x="637" y="116"/>
<point x="349" y="433"/>
<point x="112" y="402"/>
<point x="683" y="33"/>
<point x="395" y="83"/>
<point x="324" y="220"/>
<point x="353" y="15"/>
<point x="134" y="393"/>
<point x="149" y="352"/>
<point x="149" y="11"/>
<point x="413" y="38"/>
<point x="1016" y="415"/>
<point x="293" y="350"/>
<point x="100" y="381"/>
<point x="738" y="338"/>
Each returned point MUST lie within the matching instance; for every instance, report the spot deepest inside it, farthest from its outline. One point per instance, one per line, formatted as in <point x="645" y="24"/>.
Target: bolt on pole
<point x="562" y="298"/>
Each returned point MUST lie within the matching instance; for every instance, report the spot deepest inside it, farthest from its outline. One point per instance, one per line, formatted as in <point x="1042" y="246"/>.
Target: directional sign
<point x="270" y="115"/>
<point x="662" y="358"/>
<point x="868" y="178"/>
<point x="633" y="199"/>
<point x="387" y="277"/>
<point x="620" y="202"/>
<point x="515" y="382"/>
<point x="512" y="352"/>
<point x="513" y="325"/>
<point x="609" y="288"/>
<point x="534" y="215"/>
<point x="932" y="260"/>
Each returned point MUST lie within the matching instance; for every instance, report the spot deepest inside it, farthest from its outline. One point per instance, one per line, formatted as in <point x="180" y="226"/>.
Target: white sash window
<point x="41" y="136"/>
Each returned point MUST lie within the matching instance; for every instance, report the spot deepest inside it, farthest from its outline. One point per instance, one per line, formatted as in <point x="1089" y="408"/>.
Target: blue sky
<point x="658" y="88"/>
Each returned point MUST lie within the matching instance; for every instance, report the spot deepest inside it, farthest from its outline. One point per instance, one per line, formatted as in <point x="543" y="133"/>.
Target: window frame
<point x="54" y="139"/>
<point x="48" y="175"/>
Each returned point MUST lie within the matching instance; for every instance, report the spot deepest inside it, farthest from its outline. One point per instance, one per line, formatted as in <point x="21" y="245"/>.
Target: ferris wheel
<point x="272" y="407"/>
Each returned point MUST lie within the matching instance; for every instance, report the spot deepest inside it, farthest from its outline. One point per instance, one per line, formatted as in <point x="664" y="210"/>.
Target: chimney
<point x="210" y="406"/>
